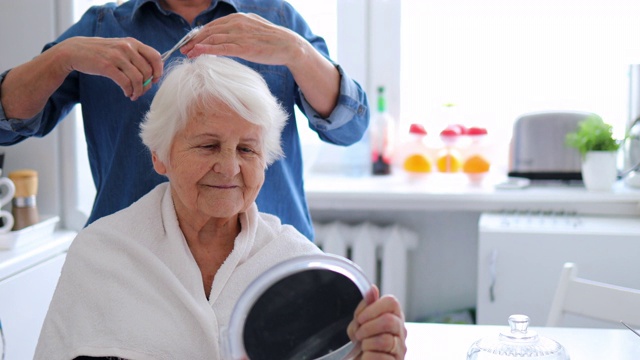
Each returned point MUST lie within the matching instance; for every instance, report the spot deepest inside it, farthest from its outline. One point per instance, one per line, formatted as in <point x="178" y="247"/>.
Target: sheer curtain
<point x="497" y="59"/>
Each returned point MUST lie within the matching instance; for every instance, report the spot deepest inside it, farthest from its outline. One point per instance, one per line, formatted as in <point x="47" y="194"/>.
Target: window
<point x="322" y="19"/>
<point x="342" y="23"/>
<point x="498" y="59"/>
<point x="78" y="187"/>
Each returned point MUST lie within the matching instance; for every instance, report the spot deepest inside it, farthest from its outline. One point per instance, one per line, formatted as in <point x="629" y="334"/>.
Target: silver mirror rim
<point x="338" y="264"/>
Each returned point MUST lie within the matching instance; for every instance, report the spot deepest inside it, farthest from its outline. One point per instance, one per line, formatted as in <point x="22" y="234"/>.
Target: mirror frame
<point x="234" y="334"/>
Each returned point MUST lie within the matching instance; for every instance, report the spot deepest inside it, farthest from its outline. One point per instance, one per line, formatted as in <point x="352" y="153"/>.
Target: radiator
<point x="381" y="251"/>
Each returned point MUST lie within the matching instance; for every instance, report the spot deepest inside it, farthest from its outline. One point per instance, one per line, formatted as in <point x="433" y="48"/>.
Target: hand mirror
<point x="298" y="309"/>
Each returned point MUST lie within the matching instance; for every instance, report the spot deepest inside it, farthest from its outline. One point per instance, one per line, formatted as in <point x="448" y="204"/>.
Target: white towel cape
<point x="131" y="288"/>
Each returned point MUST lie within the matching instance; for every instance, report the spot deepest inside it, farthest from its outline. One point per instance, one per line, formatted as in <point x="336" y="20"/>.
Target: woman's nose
<point x="226" y="163"/>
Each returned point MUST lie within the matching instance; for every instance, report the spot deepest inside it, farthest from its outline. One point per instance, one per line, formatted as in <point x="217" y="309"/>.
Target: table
<point x="427" y="341"/>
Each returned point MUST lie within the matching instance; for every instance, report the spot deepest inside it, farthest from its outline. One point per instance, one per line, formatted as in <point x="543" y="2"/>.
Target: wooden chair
<point x="593" y="299"/>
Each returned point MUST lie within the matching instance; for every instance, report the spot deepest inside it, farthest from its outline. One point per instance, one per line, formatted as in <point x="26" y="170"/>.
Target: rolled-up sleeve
<point x="348" y="122"/>
<point x="16" y="130"/>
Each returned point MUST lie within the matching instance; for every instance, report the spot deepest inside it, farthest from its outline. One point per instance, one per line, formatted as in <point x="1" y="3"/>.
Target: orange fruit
<point x="476" y="164"/>
<point x="417" y="163"/>
<point x="449" y="163"/>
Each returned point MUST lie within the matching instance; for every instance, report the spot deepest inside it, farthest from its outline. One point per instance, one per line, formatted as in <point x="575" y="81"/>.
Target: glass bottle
<point x="382" y="137"/>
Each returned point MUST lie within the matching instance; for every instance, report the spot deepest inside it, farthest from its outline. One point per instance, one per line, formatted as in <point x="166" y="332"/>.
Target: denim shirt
<point x="121" y="164"/>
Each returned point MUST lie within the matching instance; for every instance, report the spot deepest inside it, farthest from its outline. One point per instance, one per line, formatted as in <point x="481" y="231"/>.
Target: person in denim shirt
<point x="103" y="60"/>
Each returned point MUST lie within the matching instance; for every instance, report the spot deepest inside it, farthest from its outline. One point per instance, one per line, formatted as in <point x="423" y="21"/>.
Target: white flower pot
<point x="599" y="170"/>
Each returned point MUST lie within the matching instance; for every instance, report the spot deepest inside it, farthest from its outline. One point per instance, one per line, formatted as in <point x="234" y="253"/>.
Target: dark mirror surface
<point x="302" y="316"/>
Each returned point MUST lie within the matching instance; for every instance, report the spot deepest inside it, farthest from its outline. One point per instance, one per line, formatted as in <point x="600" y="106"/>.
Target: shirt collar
<point x="140" y="3"/>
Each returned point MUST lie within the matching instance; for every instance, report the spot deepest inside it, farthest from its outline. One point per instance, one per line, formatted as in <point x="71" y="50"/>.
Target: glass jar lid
<point x="518" y="342"/>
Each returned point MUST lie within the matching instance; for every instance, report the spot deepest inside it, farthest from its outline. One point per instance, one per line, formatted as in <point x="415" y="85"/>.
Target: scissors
<point x="190" y="35"/>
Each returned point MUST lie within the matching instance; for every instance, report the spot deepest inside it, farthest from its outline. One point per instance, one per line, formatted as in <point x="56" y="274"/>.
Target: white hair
<point x="209" y="78"/>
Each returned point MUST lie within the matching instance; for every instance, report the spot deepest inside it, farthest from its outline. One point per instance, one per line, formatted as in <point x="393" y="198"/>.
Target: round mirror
<point x="298" y="309"/>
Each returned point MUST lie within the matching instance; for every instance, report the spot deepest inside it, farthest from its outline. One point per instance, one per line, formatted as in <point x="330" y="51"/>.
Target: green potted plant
<point x="592" y="134"/>
<point x="596" y="144"/>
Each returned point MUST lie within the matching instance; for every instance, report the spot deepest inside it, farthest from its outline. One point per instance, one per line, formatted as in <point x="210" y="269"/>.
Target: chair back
<point x="593" y="299"/>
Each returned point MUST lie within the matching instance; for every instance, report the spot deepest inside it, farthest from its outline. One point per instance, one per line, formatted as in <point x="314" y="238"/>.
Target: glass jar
<point x="412" y="155"/>
<point x="449" y="158"/>
<point x="518" y="343"/>
<point x="476" y="162"/>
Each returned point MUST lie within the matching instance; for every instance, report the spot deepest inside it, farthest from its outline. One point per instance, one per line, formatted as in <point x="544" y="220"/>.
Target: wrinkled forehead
<point x="203" y="107"/>
<point x="216" y="116"/>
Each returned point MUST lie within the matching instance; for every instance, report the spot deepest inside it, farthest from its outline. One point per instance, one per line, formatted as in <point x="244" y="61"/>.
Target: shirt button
<point x="361" y="110"/>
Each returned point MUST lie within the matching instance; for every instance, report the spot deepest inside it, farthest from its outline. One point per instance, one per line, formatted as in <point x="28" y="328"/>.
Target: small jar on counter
<point x="24" y="209"/>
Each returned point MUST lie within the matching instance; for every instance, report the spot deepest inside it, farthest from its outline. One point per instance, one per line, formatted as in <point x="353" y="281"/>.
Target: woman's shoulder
<point x="270" y="228"/>
<point x="275" y="242"/>
<point x="142" y="215"/>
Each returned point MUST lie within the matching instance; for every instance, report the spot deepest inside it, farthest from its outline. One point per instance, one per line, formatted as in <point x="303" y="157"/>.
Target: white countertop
<point x="444" y="341"/>
<point x="22" y="257"/>
<point x="454" y="192"/>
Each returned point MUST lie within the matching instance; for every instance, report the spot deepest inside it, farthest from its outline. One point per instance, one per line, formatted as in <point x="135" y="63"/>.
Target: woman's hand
<point x="247" y="36"/>
<point x="378" y="327"/>
<point x="126" y="61"/>
<point x="251" y="37"/>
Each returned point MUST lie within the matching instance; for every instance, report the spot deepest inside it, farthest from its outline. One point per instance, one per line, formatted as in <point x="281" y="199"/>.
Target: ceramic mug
<point x="8" y="190"/>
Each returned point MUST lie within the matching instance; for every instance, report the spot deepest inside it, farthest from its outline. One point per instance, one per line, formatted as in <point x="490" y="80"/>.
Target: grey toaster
<point x="538" y="150"/>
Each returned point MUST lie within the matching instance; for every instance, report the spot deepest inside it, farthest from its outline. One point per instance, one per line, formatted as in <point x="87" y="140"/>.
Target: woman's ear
<point x="158" y="164"/>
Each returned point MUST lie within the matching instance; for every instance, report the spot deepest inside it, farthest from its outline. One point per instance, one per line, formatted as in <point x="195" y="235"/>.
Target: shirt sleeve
<point x="14" y="130"/>
<point x="349" y="120"/>
<point x="61" y="101"/>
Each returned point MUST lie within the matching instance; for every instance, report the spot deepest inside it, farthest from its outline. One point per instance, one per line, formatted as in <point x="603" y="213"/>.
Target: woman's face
<point x="216" y="164"/>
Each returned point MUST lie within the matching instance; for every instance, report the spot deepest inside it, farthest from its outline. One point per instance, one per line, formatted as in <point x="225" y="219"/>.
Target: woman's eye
<point x="208" y="146"/>
<point x="246" y="150"/>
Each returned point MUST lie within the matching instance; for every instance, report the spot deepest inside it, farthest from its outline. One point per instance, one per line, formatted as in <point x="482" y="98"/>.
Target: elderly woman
<point x="159" y="279"/>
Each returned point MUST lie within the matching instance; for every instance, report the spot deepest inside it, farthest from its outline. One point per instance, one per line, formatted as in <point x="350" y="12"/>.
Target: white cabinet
<point x="25" y="307"/>
<point x="520" y="257"/>
<point x="28" y="277"/>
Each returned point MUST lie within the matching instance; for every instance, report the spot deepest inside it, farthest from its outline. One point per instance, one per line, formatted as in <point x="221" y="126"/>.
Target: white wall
<point x="25" y="26"/>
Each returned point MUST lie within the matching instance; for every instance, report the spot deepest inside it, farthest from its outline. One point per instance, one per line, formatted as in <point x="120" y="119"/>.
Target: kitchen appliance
<point x="538" y="149"/>
<point x="631" y="145"/>
<point x="634" y="94"/>
<point x="631" y="148"/>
